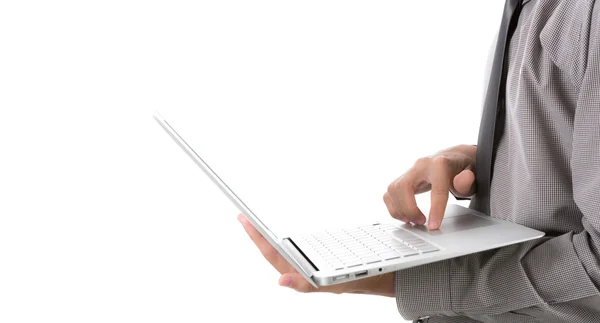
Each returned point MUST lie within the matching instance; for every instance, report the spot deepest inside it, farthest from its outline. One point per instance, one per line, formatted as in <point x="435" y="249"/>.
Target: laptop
<point x="333" y="256"/>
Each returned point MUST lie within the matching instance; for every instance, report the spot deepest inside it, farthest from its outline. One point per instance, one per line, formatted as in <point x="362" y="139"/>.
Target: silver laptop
<point x="349" y="253"/>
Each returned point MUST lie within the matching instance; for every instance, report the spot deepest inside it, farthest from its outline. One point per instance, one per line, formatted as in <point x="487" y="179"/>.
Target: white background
<point x="308" y="109"/>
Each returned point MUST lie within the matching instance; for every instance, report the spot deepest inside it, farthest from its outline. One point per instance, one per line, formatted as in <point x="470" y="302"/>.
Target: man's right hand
<point x="450" y="170"/>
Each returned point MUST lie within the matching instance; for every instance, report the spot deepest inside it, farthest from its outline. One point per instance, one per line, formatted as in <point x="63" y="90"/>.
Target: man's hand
<point x="450" y="170"/>
<point x="377" y="285"/>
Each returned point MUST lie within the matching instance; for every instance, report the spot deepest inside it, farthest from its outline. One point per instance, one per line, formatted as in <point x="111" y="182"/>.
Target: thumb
<point x="464" y="183"/>
<point x="296" y="282"/>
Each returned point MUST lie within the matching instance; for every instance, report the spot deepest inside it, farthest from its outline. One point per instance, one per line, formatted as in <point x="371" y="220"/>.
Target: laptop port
<point x="341" y="277"/>
<point x="361" y="273"/>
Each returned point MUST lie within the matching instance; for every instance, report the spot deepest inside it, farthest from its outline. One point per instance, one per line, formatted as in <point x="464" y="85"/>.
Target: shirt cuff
<point x="424" y="290"/>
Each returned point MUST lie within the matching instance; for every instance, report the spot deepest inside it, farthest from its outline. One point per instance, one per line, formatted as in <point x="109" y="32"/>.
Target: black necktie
<point x="492" y="120"/>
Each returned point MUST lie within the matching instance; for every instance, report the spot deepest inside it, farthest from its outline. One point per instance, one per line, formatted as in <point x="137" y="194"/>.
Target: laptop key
<point x="421" y="245"/>
<point x="346" y="254"/>
<point x="327" y="243"/>
<point x="390" y="255"/>
<point x="370" y="260"/>
<point x="429" y="248"/>
<point x="405" y="252"/>
<point x="379" y="251"/>
<point x="378" y="234"/>
<point x="368" y="244"/>
<point x="338" y="250"/>
<point x="365" y="254"/>
<point x="337" y="265"/>
<point x="416" y="242"/>
<point x="386" y="240"/>
<point x="328" y="257"/>
<point x="345" y="239"/>
<point x="404" y="235"/>
<point x="396" y="243"/>
<point x="353" y="242"/>
<point x="323" y="251"/>
<point x="332" y="263"/>
<point x="353" y="263"/>
<point x="379" y="247"/>
<point x="370" y="229"/>
<point x="346" y="260"/>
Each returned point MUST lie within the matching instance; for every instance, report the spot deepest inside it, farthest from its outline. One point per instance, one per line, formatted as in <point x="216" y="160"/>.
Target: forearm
<point x="504" y="281"/>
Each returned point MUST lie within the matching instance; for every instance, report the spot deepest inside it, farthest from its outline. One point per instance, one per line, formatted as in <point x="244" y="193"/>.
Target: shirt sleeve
<point x="551" y="277"/>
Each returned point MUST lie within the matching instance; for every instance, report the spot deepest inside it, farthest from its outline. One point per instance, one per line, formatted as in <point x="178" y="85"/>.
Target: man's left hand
<point x="378" y="285"/>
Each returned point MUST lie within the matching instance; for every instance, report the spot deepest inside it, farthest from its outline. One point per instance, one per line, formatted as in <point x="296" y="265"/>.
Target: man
<point x="545" y="161"/>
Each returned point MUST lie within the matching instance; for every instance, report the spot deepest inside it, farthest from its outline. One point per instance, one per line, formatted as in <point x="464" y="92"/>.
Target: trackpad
<point x="456" y="223"/>
<point x="462" y="223"/>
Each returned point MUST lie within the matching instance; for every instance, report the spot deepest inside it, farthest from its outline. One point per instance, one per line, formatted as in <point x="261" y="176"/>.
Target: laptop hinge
<point x="305" y="264"/>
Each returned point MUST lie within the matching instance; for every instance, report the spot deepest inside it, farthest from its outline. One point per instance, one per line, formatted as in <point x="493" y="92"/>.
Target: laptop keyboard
<point x="366" y="245"/>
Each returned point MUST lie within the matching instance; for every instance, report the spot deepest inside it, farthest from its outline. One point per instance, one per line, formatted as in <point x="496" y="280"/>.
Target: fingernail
<point x="241" y="219"/>
<point x="433" y="224"/>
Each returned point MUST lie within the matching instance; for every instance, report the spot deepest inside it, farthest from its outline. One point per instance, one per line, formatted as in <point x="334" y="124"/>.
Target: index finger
<point x="440" y="188"/>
